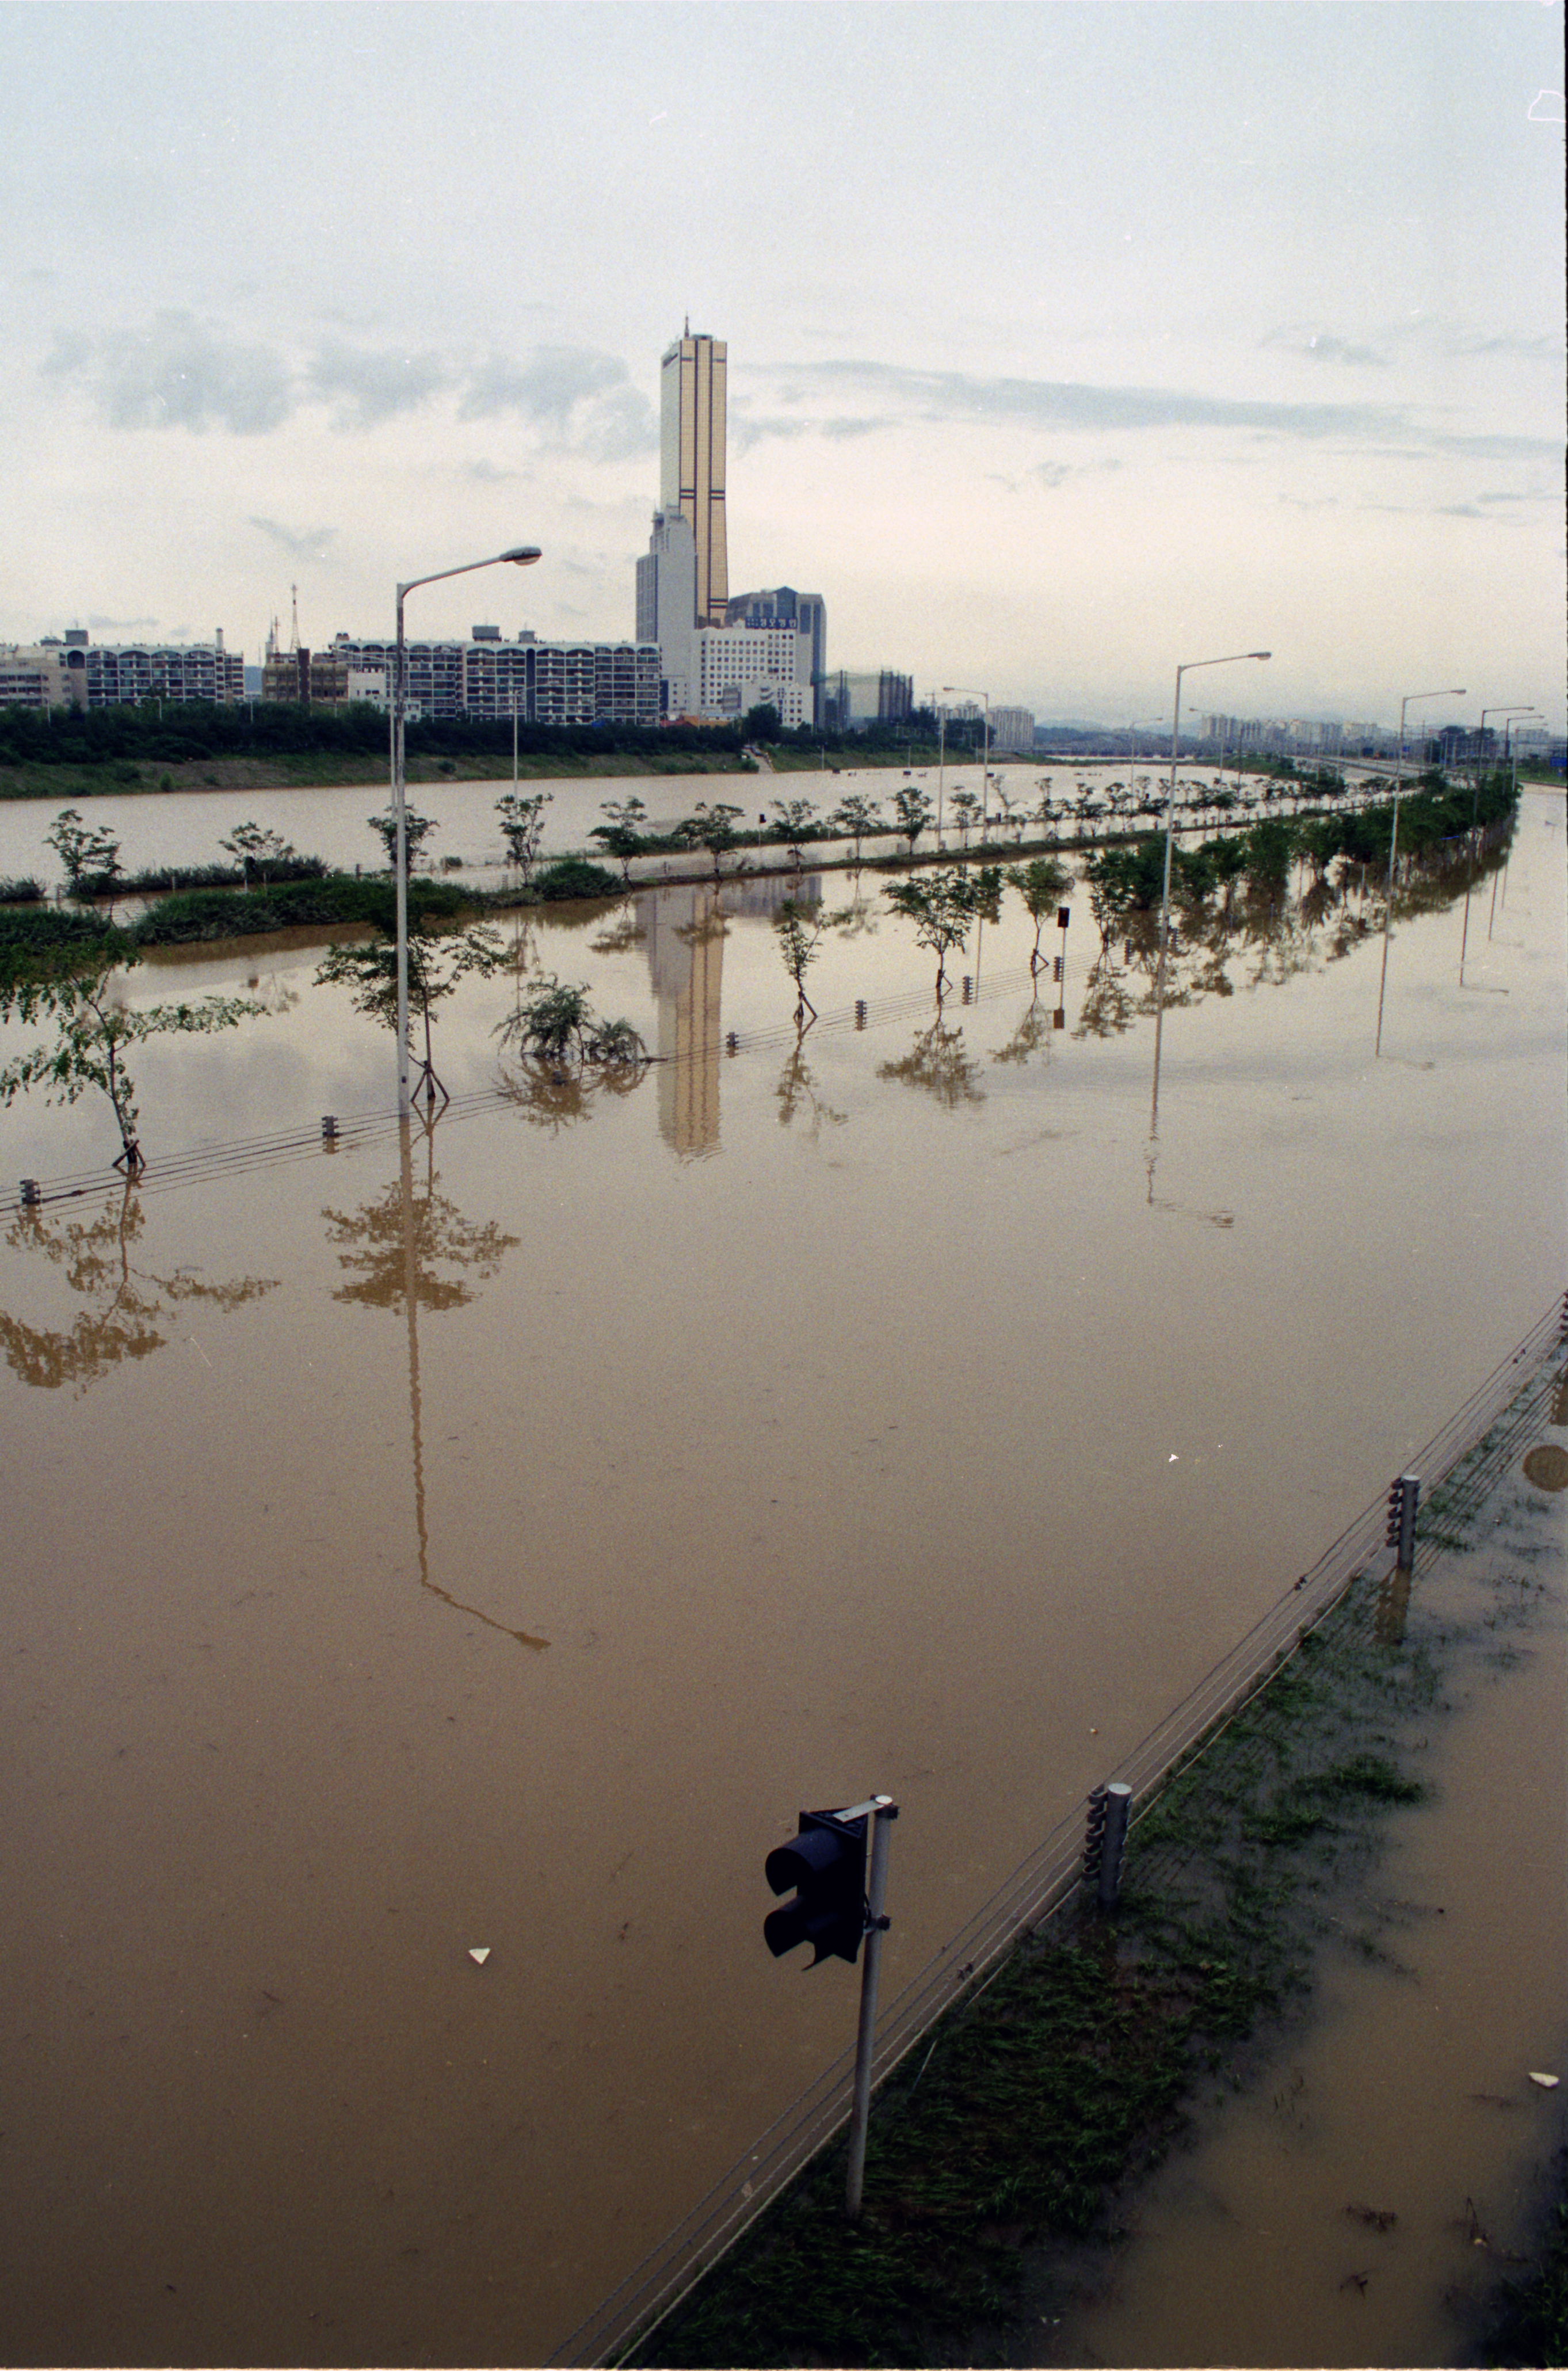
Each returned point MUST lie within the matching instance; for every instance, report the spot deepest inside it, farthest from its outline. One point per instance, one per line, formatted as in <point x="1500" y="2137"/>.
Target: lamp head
<point x="522" y="555"/>
<point x="1259" y="655"/>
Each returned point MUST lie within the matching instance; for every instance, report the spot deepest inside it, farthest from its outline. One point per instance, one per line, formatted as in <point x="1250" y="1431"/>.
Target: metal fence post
<point x="876" y="1927"/>
<point x="1403" y="1499"/>
<point x="1106" y="1841"/>
<point x="1113" y="1845"/>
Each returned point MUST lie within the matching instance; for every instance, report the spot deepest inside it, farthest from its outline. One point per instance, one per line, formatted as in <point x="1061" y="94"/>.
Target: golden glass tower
<point x="691" y="457"/>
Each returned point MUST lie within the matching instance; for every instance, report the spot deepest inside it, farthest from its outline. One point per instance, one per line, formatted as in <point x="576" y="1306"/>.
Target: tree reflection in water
<point x="940" y="1066"/>
<point x="395" y="1242"/>
<point x="1033" y="1033"/>
<point x="128" y="1305"/>
<point x="553" y="1095"/>
<point x="796" y="1093"/>
<point x="378" y="1235"/>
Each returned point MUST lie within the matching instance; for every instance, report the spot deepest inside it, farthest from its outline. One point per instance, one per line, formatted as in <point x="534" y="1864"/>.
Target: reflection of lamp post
<point x="1190" y="667"/>
<point x="1411" y="700"/>
<point x="521" y="555"/>
<point x="964" y="693"/>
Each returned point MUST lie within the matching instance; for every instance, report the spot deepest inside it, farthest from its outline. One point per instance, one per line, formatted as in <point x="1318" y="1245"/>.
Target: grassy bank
<point x="1010" y="2140"/>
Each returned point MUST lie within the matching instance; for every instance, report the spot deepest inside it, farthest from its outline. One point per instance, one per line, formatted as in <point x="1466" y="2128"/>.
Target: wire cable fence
<point x="1469" y="1454"/>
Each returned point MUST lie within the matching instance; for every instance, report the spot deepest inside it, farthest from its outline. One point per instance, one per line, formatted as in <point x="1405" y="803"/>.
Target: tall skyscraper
<point x="691" y="457"/>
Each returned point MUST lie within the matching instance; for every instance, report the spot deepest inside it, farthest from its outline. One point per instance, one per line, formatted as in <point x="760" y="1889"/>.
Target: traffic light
<point x="826" y="1867"/>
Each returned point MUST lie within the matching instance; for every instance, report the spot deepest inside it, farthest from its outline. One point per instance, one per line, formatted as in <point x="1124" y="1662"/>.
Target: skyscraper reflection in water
<point x="685" y="937"/>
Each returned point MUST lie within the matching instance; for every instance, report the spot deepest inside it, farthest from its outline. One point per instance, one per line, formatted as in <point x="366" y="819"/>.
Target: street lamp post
<point x="521" y="555"/>
<point x="1514" y="708"/>
<point x="1510" y="749"/>
<point x="1231" y="658"/>
<point x="965" y="693"/>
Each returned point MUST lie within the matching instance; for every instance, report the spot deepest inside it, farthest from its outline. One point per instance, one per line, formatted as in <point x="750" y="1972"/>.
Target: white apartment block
<point x="75" y="672"/>
<point x="542" y="683"/>
<point x="1012" y="730"/>
<point x="740" y="667"/>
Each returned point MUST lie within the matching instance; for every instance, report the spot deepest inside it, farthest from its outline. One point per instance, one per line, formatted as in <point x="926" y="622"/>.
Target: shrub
<point x="573" y="876"/>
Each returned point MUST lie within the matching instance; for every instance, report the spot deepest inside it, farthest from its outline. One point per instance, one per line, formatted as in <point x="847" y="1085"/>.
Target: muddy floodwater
<point x="890" y="1409"/>
<point x="183" y="829"/>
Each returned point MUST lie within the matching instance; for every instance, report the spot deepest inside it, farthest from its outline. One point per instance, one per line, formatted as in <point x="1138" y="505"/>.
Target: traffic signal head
<point x="826" y="1867"/>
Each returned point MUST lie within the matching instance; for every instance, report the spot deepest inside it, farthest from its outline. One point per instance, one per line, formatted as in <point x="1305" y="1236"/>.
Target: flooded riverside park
<point x="485" y="1539"/>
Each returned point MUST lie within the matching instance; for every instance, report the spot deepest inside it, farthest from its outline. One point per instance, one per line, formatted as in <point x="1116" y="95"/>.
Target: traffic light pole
<point x="884" y="1810"/>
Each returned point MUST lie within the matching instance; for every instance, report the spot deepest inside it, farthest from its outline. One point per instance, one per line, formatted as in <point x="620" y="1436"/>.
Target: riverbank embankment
<point x="1004" y="2159"/>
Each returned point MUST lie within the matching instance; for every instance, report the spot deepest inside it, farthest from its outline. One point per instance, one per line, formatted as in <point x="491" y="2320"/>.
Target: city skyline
<point x="1064" y="345"/>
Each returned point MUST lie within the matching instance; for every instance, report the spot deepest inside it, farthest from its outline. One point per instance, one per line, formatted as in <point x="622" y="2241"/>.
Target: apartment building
<point x="541" y="683"/>
<point x="742" y="668"/>
<point x="72" y="671"/>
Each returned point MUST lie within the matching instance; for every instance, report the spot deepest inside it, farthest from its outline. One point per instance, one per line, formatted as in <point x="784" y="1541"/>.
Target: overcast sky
<point x="1067" y="341"/>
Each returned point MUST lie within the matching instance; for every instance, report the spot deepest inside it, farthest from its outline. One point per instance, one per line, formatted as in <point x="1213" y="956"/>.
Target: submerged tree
<point x="1041" y="884"/>
<point x="942" y="906"/>
<point x="913" y="809"/>
<point x="799" y="928"/>
<point x="712" y="827"/>
<point x="93" y="1032"/>
<point x="622" y="836"/>
<point x="555" y="1022"/>
<point x="855" y="815"/>
<point x="89" y="855"/>
<point x="436" y="966"/>
<point x="566" y="1054"/>
<point x="417" y="829"/>
<point x="795" y="818"/>
<point x="522" y="827"/>
<point x="249" y="844"/>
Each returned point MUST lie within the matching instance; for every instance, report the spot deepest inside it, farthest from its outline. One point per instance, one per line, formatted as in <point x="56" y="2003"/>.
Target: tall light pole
<point x="1516" y="708"/>
<point x="964" y="693"/>
<point x="1232" y="658"/>
<point x="521" y="555"/>
<point x="1510" y="749"/>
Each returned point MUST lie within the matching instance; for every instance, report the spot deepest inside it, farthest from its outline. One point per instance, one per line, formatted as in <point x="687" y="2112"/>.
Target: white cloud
<point x="176" y="373"/>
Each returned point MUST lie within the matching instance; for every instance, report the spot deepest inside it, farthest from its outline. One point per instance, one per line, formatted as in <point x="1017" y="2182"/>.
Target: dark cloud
<point x="177" y="372"/>
<point x="312" y="545"/>
<point x="100" y="625"/>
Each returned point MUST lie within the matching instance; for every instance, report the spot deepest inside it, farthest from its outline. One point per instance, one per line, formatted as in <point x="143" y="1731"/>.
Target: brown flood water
<point x="887" y="1414"/>
<point x="1361" y="2201"/>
